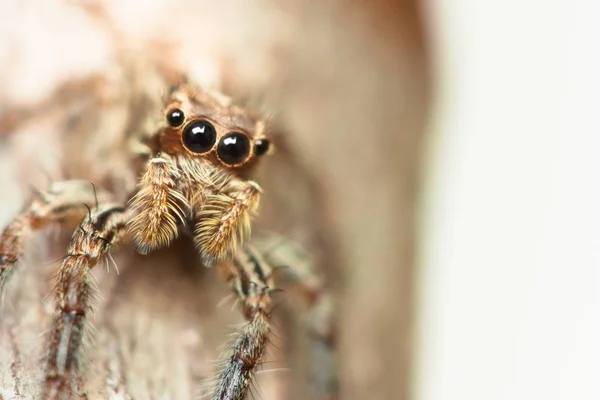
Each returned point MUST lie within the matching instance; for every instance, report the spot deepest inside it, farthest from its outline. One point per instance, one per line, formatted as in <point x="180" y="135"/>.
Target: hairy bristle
<point x="75" y="290"/>
<point x="224" y="222"/>
<point x="237" y="374"/>
<point x="158" y="207"/>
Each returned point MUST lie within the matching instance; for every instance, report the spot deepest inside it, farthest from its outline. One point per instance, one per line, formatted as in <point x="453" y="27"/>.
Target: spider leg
<point x="75" y="289"/>
<point x="224" y="221"/>
<point x="65" y="200"/>
<point x="323" y="367"/>
<point x="294" y="269"/>
<point x="251" y="279"/>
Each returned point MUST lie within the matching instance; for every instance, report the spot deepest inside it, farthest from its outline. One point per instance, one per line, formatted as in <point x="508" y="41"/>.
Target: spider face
<point x="211" y="129"/>
<point x="199" y="175"/>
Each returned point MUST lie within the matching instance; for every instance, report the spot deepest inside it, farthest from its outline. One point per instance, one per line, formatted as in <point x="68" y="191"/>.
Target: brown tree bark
<point x="348" y="82"/>
<point x="360" y="100"/>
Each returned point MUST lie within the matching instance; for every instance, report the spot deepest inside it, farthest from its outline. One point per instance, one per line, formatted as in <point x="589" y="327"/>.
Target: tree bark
<point x="349" y="86"/>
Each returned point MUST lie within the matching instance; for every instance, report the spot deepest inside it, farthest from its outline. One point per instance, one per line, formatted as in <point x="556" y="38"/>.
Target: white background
<point x="509" y="303"/>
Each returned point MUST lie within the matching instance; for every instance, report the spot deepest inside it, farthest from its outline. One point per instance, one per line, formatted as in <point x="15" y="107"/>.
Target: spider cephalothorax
<point x="198" y="162"/>
<point x="198" y="175"/>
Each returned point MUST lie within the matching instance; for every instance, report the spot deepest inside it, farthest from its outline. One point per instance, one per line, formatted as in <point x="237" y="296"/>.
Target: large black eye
<point x="175" y="117"/>
<point x="261" y="146"/>
<point x="199" y="136"/>
<point x="233" y="148"/>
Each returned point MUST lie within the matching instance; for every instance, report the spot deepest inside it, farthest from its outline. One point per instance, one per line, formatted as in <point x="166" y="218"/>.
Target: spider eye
<point x="175" y="117"/>
<point x="199" y="136"/>
<point x="261" y="146"/>
<point x="234" y="148"/>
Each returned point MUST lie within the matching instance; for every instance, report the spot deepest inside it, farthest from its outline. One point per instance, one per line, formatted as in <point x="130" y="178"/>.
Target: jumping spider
<point x="199" y="161"/>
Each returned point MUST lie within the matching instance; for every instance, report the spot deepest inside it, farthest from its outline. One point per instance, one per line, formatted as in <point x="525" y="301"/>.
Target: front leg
<point x="224" y="220"/>
<point x="251" y="280"/>
<point x="75" y="289"/>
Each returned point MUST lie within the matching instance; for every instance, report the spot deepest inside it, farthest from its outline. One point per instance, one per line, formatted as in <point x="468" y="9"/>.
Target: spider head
<point x="208" y="128"/>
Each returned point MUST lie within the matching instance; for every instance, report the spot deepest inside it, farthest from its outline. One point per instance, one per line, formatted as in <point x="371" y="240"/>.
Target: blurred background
<point x="436" y="161"/>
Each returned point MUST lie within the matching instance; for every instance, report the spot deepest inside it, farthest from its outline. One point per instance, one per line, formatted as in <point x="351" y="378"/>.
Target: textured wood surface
<point x="349" y="84"/>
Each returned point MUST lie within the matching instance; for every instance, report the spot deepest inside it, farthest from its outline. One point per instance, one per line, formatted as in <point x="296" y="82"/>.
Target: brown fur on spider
<point x="197" y="178"/>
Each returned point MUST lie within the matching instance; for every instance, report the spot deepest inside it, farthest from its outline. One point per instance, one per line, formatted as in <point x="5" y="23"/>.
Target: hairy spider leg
<point x="251" y="280"/>
<point x="75" y="289"/>
<point x="64" y="201"/>
<point x="294" y="269"/>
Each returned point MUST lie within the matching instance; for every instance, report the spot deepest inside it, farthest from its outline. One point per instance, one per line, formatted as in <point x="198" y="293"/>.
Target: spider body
<point x="197" y="174"/>
<point x="199" y="158"/>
